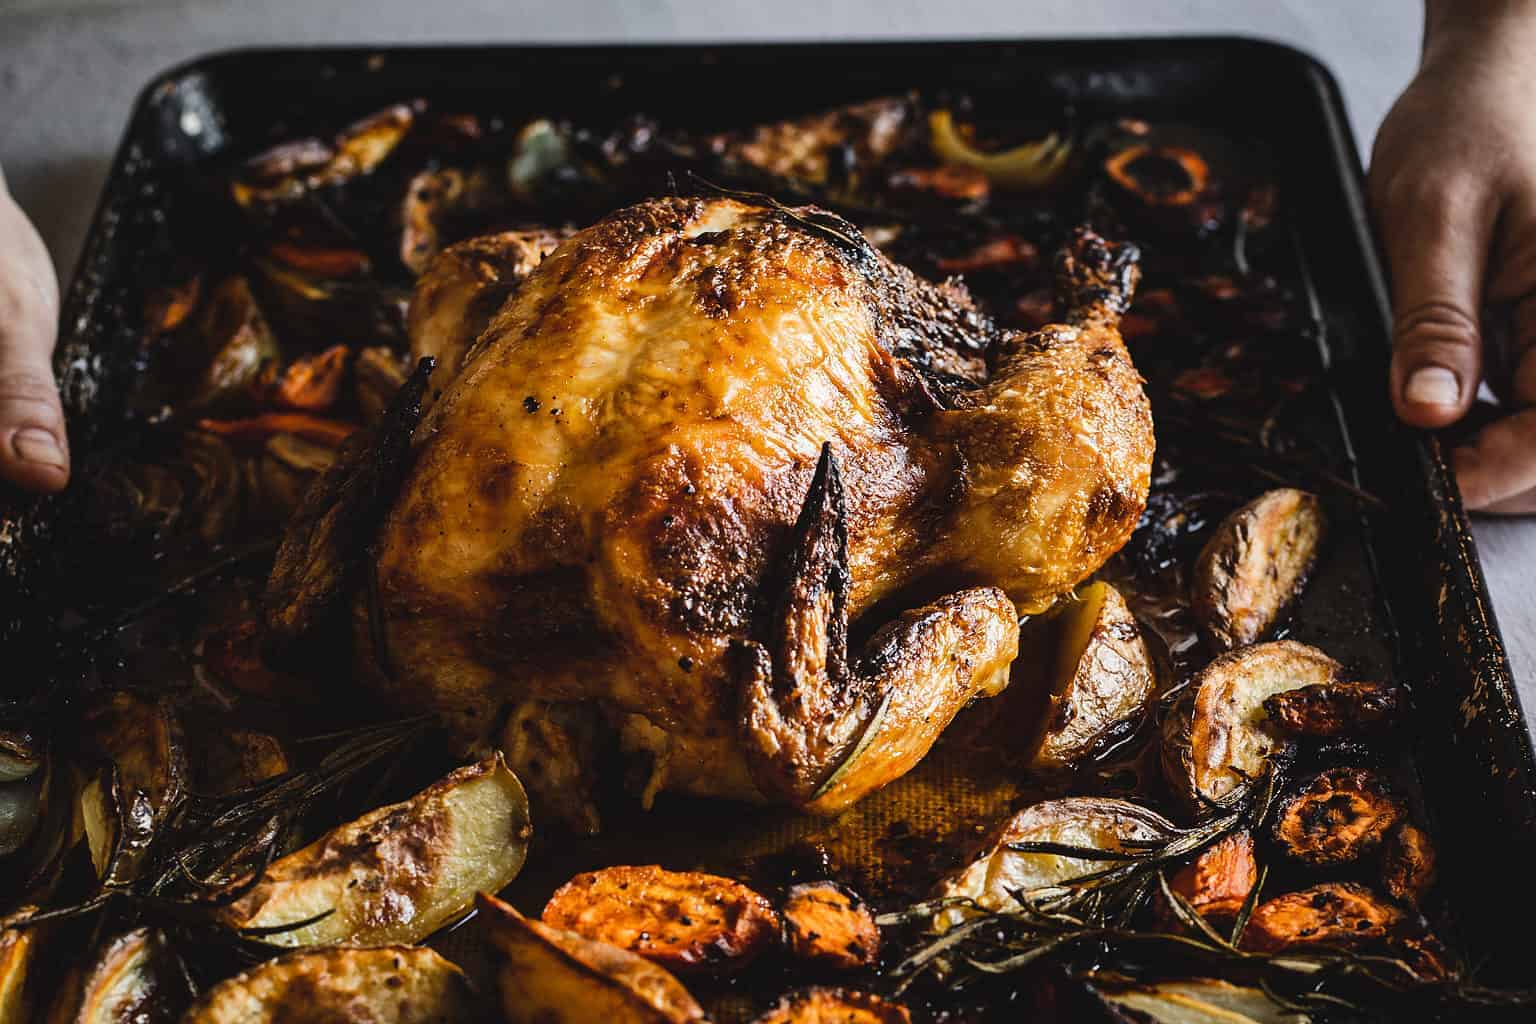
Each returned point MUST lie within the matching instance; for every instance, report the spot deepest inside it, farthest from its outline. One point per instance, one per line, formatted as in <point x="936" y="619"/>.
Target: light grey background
<point x="69" y="70"/>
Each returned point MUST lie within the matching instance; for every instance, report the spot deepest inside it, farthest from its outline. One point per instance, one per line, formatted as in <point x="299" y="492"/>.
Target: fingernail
<point x="1433" y="385"/>
<point x="33" y="444"/>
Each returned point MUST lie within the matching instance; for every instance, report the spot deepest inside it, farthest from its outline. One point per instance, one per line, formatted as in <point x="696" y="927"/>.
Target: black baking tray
<point x="1415" y="582"/>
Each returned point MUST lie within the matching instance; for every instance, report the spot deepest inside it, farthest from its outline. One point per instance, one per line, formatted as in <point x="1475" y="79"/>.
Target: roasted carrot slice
<point x="321" y="262"/>
<point x="1332" y="914"/>
<point x="1408" y="864"/>
<point x="821" y="1005"/>
<point x="1009" y="250"/>
<point x="313" y="382"/>
<point x="828" y="924"/>
<point x="1337" y="817"/>
<point x="680" y="919"/>
<point x="259" y="429"/>
<point x="1217" y="881"/>
<point x="1336" y="708"/>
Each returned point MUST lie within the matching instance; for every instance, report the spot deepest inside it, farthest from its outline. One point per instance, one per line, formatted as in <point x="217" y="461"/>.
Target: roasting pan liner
<point x="1404" y="595"/>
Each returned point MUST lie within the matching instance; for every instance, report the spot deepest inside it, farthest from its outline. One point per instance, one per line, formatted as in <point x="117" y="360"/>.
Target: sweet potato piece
<point x="1332" y="914"/>
<point x="1408" y="864"/>
<point x="1214" y="746"/>
<point x="828" y="924"/>
<point x="1103" y="678"/>
<point x="823" y="1005"/>
<point x="552" y="976"/>
<point x="1337" y="817"/>
<point x="1219" y="879"/>
<point x="384" y="985"/>
<point x="1255" y="564"/>
<point x="1332" y="709"/>
<point x="684" y="920"/>
<point x="398" y="873"/>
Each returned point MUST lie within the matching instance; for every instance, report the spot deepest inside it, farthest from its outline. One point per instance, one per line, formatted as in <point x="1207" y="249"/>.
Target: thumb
<point x="34" y="450"/>
<point x="1437" y="240"/>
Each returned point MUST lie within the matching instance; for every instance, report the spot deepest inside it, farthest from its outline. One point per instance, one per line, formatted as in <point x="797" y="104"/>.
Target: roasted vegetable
<point x="1408" y="864"/>
<point x="21" y="809"/>
<point x="21" y="755"/>
<point x="1337" y="817"/>
<point x="18" y="947"/>
<point x="829" y="925"/>
<point x="433" y="199"/>
<point x="232" y="653"/>
<point x="1220" y="878"/>
<point x="1218" y="742"/>
<point x="1255" y="565"/>
<point x="1332" y="914"/>
<point x="1159" y="175"/>
<point x="142" y="776"/>
<point x="133" y="980"/>
<point x="821" y="1005"/>
<point x="401" y="872"/>
<point x="238" y="758"/>
<point x="685" y="920"/>
<point x="312" y="382"/>
<point x="947" y="181"/>
<point x="320" y="261"/>
<point x="286" y="172"/>
<point x="551" y="976"/>
<point x="379" y="372"/>
<point x="1196" y="1001"/>
<point x="287" y="466"/>
<point x="1087" y="822"/>
<point x="262" y="428"/>
<point x="387" y="985"/>
<point x="1031" y="166"/>
<point x="1102" y="681"/>
<point x="234" y="344"/>
<point x="1338" y="708"/>
<point x="835" y="148"/>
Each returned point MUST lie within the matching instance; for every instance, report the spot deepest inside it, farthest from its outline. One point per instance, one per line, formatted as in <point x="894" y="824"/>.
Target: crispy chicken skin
<point x="699" y="440"/>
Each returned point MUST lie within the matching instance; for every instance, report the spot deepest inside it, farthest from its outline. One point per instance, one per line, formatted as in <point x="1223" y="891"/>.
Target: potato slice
<point x="1332" y="709"/>
<point x="822" y="1005"/>
<point x="399" y="873"/>
<point x="1215" y="746"/>
<point x="1219" y="879"/>
<point x="552" y="976"/>
<point x="1091" y="822"/>
<point x="143" y="776"/>
<point x="828" y="924"/>
<point x="1337" y="817"/>
<point x="132" y="979"/>
<point x="1255" y="564"/>
<point x="1408" y="865"/>
<point x="1102" y="682"/>
<point x="1332" y="914"/>
<point x="684" y="920"/>
<point x="384" y="985"/>
<point x="17" y="947"/>
<point x="1199" y="1001"/>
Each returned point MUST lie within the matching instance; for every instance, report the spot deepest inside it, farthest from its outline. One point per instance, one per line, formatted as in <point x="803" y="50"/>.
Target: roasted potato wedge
<point x="1331" y="914"/>
<point x="1220" y="877"/>
<point x="552" y="976"/>
<point x="822" y="1005"/>
<point x="1214" y="746"/>
<point x="1090" y="822"/>
<point x="17" y="949"/>
<point x="684" y="920"/>
<point x="133" y="979"/>
<point x="826" y="923"/>
<point x="1198" y="1001"/>
<point x="143" y="775"/>
<point x="399" y="873"/>
<point x="384" y="985"/>
<point x="1332" y="709"/>
<point x="1408" y="864"/>
<point x="1337" y="817"/>
<point x="1255" y="564"/>
<point x="1102" y="681"/>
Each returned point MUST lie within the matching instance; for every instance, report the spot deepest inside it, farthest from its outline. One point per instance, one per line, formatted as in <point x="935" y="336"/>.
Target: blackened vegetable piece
<point x="1408" y="864"/>
<point x="142" y="775"/>
<point x="821" y="1005"/>
<point x="828" y="924"/>
<point x="1337" y="817"/>
<point x="1159" y="175"/>
<point x="1255" y="565"/>
<point x="1332" y="914"/>
<point x="1336" y="708"/>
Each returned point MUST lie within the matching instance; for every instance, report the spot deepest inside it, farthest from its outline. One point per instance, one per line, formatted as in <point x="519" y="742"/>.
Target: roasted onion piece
<point x="137" y="744"/>
<point x="552" y="976"/>
<point x="1031" y="166"/>
<point x="234" y="344"/>
<point x="21" y="754"/>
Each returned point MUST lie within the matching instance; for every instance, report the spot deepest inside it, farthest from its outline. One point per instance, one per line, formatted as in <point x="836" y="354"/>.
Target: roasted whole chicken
<point x="718" y="474"/>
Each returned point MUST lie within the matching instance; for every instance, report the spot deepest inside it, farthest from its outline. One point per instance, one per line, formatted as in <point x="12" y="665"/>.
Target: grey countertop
<point x="69" y="71"/>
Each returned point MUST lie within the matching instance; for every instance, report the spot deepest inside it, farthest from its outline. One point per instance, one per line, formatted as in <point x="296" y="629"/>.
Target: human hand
<point x="34" y="450"/>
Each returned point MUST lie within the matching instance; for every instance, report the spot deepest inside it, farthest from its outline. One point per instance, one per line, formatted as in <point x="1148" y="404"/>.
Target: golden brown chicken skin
<point x="700" y="440"/>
